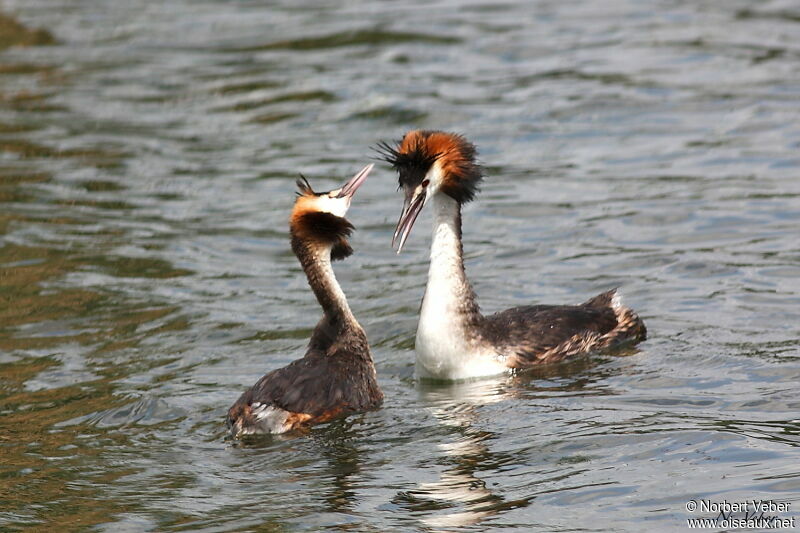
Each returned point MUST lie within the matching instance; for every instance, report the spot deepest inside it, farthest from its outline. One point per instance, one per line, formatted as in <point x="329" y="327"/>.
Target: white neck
<point x="448" y="289"/>
<point x="447" y="343"/>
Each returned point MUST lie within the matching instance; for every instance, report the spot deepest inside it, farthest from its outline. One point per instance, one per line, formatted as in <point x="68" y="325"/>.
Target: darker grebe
<point x="454" y="340"/>
<point x="336" y="377"/>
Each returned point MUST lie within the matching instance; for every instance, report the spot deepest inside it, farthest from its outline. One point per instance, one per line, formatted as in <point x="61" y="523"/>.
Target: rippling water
<point x="147" y="158"/>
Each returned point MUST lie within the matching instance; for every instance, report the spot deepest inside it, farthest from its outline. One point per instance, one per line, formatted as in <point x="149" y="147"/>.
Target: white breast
<point x="445" y="347"/>
<point x="443" y="353"/>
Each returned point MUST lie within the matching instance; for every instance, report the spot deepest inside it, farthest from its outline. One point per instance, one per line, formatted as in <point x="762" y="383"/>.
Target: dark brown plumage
<point x="535" y="334"/>
<point x="322" y="227"/>
<point x="336" y="377"/>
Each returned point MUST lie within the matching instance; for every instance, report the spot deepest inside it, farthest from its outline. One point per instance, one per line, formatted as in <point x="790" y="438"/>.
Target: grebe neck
<point x="316" y="262"/>
<point x="448" y="291"/>
<point x="449" y="342"/>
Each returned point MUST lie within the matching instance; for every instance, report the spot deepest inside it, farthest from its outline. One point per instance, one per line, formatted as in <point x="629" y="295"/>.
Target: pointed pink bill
<point x="411" y="210"/>
<point x="352" y="185"/>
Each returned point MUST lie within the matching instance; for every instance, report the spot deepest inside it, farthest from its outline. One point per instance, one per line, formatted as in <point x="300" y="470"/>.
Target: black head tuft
<point x="387" y="152"/>
<point x="412" y="159"/>
<point x="304" y="187"/>
<point x="418" y="150"/>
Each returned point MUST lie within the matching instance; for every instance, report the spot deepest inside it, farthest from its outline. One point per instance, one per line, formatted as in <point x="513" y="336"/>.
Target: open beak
<point x="352" y="185"/>
<point x="412" y="206"/>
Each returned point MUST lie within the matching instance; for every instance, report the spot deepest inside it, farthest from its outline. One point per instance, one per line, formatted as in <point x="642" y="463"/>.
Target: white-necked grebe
<point x="454" y="340"/>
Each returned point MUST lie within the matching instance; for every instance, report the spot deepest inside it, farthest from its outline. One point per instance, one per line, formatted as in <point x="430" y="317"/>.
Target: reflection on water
<point x="459" y="497"/>
<point x="147" y="159"/>
<point x="13" y="33"/>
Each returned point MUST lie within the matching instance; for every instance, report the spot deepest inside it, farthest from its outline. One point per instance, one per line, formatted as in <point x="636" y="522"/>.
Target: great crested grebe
<point x="454" y="340"/>
<point x="336" y="377"/>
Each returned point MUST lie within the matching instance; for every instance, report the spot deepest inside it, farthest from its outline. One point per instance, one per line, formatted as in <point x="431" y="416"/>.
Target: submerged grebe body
<point x="454" y="340"/>
<point x="336" y="377"/>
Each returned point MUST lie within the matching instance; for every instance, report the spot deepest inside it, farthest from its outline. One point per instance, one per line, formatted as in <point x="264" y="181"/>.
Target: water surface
<point x="147" y="158"/>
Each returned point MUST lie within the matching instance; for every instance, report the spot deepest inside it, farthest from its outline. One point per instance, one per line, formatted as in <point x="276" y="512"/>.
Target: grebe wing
<point x="319" y="385"/>
<point x="536" y="334"/>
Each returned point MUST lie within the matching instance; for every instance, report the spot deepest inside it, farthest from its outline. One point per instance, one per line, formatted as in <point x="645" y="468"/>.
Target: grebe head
<point x="318" y="217"/>
<point x="429" y="162"/>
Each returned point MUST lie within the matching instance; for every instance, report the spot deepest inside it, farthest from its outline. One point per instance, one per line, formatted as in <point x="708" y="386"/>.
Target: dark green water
<point x="147" y="157"/>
